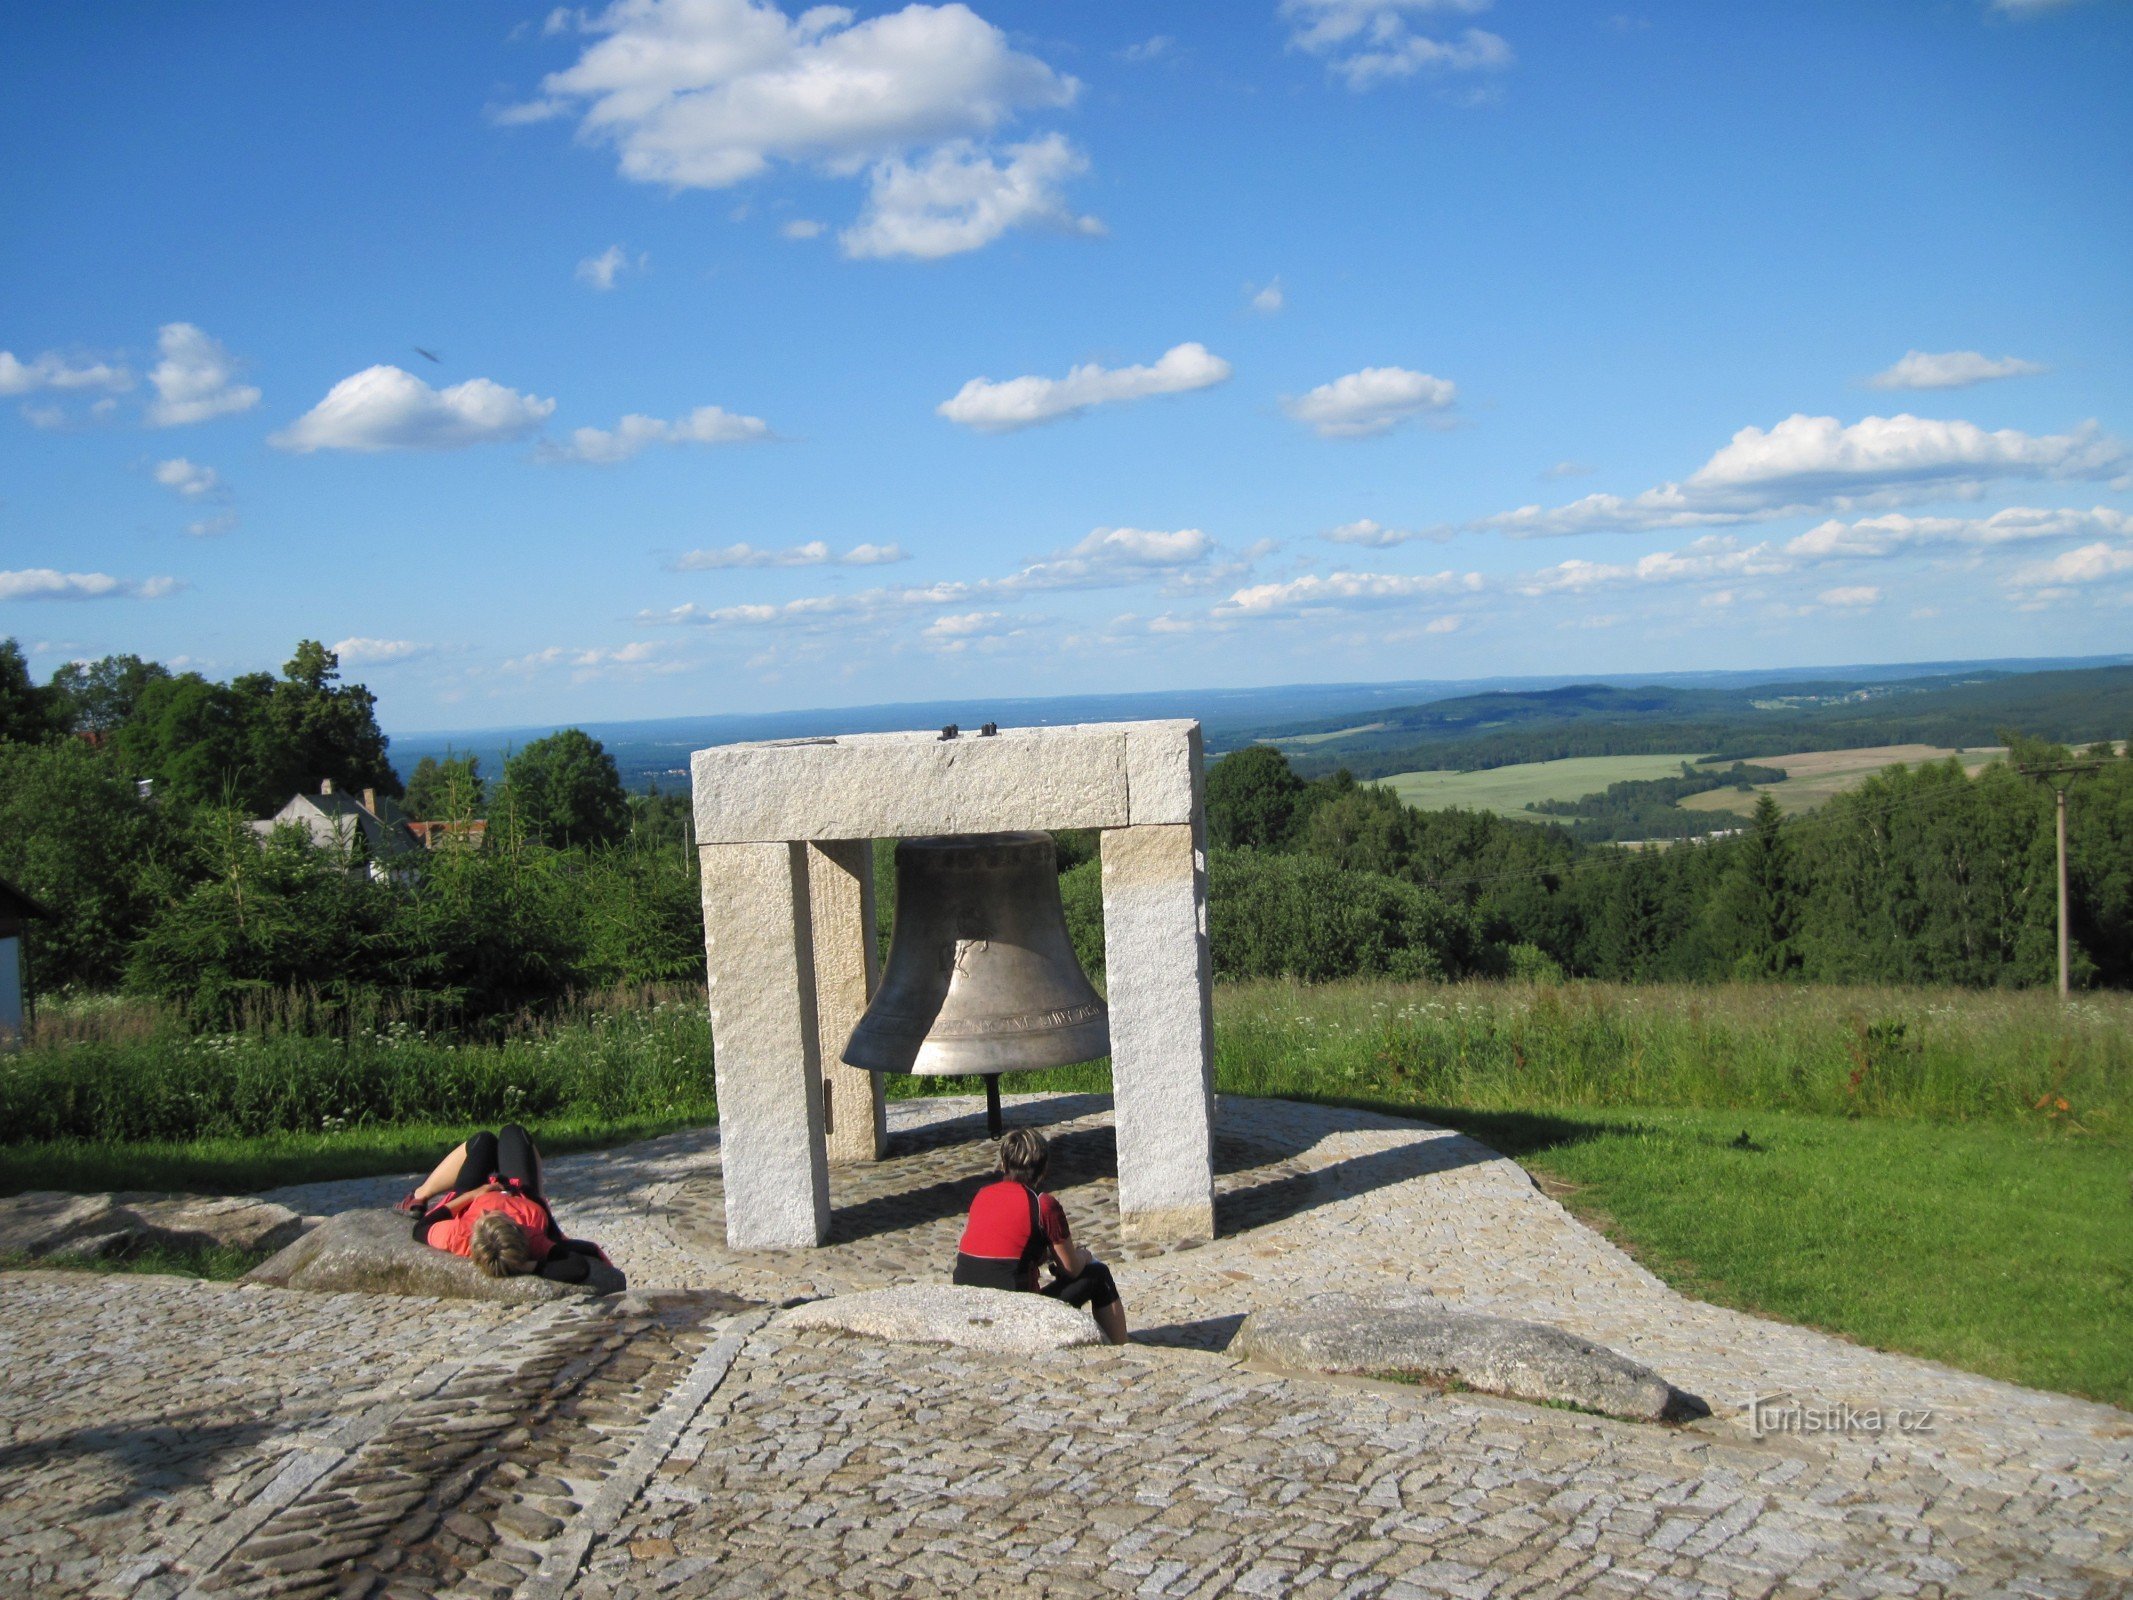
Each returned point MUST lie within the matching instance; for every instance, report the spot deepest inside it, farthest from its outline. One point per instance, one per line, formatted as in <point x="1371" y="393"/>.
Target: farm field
<point x="1508" y="790"/>
<point x="1815" y="776"/>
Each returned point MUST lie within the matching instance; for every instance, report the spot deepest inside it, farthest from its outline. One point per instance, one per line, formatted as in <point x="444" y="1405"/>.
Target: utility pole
<point x="2059" y="794"/>
<point x="2068" y="768"/>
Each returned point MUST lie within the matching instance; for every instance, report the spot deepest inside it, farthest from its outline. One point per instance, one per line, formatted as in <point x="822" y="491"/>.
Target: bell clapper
<point x="992" y="1104"/>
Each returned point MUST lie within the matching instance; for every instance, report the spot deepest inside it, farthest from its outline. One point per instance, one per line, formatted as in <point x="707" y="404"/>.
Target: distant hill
<point x="1476" y="722"/>
<point x="1501" y="728"/>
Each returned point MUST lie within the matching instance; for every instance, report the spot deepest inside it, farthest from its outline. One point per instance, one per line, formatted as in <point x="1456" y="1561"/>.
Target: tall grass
<point x="1874" y="1052"/>
<point x="132" y="1073"/>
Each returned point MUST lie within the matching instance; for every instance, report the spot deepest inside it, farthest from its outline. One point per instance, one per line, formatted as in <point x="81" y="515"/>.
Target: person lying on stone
<point x="1013" y="1229"/>
<point x="484" y="1201"/>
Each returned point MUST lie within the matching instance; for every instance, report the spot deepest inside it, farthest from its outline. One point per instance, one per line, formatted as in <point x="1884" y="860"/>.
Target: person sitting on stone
<point x="484" y="1201"/>
<point x="1013" y="1229"/>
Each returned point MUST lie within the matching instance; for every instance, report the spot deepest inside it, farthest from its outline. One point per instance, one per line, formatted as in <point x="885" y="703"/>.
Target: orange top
<point x="456" y="1233"/>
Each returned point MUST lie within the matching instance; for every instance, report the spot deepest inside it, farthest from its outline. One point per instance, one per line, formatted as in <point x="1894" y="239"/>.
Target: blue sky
<point x="693" y="357"/>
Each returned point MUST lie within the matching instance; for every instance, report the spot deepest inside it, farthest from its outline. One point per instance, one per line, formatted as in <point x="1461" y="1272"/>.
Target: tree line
<point x="1922" y="875"/>
<point x="127" y="794"/>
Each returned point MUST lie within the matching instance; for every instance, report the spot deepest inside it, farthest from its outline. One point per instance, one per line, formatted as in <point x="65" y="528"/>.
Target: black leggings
<point x="506" y="1155"/>
<point x="1092" y="1286"/>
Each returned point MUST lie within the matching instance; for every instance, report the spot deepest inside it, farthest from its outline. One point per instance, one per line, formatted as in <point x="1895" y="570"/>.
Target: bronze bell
<point x="981" y="977"/>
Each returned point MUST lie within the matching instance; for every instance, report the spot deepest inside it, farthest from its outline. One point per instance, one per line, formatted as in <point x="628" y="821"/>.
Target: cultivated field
<point x="1814" y="776"/>
<point x="1508" y="790"/>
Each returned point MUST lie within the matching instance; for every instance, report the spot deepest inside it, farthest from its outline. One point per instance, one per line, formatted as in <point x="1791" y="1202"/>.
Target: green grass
<point x="1997" y="1249"/>
<point x="219" y="1263"/>
<point x="240" y="1165"/>
<point x="1508" y="790"/>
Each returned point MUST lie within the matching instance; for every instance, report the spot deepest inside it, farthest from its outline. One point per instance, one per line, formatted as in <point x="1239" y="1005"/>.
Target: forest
<point x="1921" y="876"/>
<point x="1501" y="728"/>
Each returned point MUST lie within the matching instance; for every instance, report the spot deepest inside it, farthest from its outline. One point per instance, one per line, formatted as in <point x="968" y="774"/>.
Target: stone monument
<point x="785" y="829"/>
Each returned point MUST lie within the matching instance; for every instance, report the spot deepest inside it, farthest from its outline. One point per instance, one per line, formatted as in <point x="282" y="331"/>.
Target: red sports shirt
<point x="998" y="1229"/>
<point x="456" y="1233"/>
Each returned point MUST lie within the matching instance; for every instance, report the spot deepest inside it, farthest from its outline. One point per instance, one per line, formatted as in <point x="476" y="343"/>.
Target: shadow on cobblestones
<point x="154" y="1458"/>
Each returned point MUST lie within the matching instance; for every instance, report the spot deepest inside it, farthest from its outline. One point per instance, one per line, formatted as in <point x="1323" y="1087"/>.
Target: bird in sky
<point x="427" y="355"/>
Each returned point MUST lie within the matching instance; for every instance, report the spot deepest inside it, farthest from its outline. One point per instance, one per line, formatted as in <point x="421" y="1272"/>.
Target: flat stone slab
<point x="1408" y="1334"/>
<point x="994" y="1320"/>
<point x="375" y="1252"/>
<point x="48" y="1223"/>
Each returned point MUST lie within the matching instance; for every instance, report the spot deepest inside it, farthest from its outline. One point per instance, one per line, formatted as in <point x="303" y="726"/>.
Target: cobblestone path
<point x="159" y="1438"/>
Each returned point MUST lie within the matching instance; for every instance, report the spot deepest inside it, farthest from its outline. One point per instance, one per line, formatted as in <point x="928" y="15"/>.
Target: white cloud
<point x="1858" y="594"/>
<point x="211" y="527"/>
<point x="2091" y="563"/>
<point x="1016" y="403"/>
<point x="638" y="659"/>
<point x="2032" y="8"/>
<point x="601" y="271"/>
<point x="958" y="197"/>
<point x="1953" y="369"/>
<point x="52" y="371"/>
<point x="1148" y="49"/>
<point x="185" y="478"/>
<point x="1268" y="298"/>
<point x="801" y="228"/>
<point x="1807" y="463"/>
<point x="709" y="93"/>
<point x="952" y="634"/>
<point x="1376" y="536"/>
<point x="1367" y="42"/>
<point x="1567" y="469"/>
<point x="814" y="553"/>
<point x="384" y="408"/>
<point x="1369" y="402"/>
<point x="364" y="652"/>
<point x="1344" y="590"/>
<point x="634" y="434"/>
<point x="43" y="583"/>
<point x="195" y="379"/>
<point x="1443" y="625"/>
<point x="1872" y="537"/>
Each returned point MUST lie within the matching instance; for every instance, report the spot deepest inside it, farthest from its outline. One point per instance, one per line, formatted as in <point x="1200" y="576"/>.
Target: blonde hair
<point x="1024" y="1155"/>
<point x="498" y="1246"/>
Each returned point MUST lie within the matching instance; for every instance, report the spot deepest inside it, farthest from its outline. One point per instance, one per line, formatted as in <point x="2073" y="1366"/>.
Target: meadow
<point x="1939" y="1171"/>
<point x="1813" y="777"/>
<point x="1507" y="791"/>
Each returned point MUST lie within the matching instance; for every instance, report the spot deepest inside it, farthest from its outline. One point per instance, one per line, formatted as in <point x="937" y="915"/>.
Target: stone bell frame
<point x="785" y="830"/>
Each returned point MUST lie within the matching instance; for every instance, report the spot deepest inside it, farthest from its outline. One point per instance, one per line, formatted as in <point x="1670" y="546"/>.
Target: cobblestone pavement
<point x="156" y="1438"/>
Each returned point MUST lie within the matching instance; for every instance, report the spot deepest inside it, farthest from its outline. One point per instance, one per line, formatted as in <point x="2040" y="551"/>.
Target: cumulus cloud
<point x="53" y="371"/>
<point x="814" y="553"/>
<point x="640" y="658"/>
<point x="1953" y="369"/>
<point x="2092" y="563"/>
<point x="195" y="380"/>
<point x="385" y="408"/>
<point x="43" y="583"/>
<point x="1267" y="298"/>
<point x="1370" y="402"/>
<point x="1106" y="558"/>
<point x="603" y="270"/>
<point x="1376" y="536"/>
<point x="634" y="434"/>
<point x="1016" y="403"/>
<point x="1567" y="469"/>
<point x="212" y="527"/>
<point x="1857" y="594"/>
<point x="1806" y="464"/>
<point x="709" y="93"/>
<point x="1872" y="537"/>
<point x="1367" y="42"/>
<point x="959" y="197"/>
<point x="186" y="478"/>
<point x="1344" y="591"/>
<point x="359" y="651"/>
<point x="954" y="633"/>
